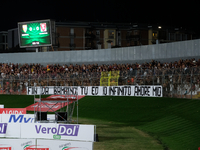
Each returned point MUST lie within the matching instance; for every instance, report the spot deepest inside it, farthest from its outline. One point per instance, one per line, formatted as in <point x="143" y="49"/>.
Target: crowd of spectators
<point x="149" y="73"/>
<point x="34" y="71"/>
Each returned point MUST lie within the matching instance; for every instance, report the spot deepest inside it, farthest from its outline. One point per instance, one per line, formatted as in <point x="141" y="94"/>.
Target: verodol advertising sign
<point x="58" y="131"/>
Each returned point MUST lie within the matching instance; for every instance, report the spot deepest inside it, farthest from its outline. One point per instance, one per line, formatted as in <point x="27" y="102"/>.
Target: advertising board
<point x="55" y="131"/>
<point x="12" y="110"/>
<point x="48" y="131"/>
<point x="16" y="144"/>
<point x="10" y="130"/>
<point x="65" y="145"/>
<point x="41" y="144"/>
<point x="17" y="118"/>
<point x="21" y="118"/>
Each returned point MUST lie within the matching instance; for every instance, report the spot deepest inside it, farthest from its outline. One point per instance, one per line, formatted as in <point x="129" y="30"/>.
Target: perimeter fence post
<point x="2" y="86"/>
<point x="47" y="81"/>
<point x="38" y="81"/>
<point x="126" y="80"/>
<point x="20" y="86"/>
<point x="181" y="83"/>
<point x="153" y="78"/>
<point x="11" y="86"/>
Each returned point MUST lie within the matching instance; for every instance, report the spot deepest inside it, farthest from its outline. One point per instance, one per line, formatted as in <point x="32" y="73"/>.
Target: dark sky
<point x="182" y="13"/>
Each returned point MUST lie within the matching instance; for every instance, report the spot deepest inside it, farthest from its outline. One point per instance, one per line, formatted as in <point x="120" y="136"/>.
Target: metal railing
<point x="176" y="82"/>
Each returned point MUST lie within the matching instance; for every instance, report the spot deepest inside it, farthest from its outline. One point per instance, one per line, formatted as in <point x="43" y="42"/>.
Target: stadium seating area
<point x="15" y="77"/>
<point x="34" y="71"/>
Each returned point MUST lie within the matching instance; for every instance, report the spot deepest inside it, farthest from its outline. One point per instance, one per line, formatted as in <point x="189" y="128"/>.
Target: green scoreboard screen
<point x="35" y="33"/>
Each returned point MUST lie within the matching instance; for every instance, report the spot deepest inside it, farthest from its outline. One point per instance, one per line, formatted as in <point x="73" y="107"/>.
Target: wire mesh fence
<point x="176" y="82"/>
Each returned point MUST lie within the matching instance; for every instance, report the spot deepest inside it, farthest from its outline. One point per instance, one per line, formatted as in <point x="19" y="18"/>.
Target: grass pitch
<point x="139" y="123"/>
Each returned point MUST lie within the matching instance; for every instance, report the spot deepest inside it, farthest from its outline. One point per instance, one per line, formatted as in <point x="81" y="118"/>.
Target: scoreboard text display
<point x="35" y="33"/>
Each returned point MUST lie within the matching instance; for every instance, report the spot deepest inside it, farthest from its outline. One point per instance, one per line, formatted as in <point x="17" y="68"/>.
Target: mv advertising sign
<point x="21" y="118"/>
<point x="17" y="118"/>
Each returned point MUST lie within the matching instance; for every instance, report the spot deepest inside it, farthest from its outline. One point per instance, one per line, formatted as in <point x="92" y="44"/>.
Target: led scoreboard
<point x="35" y="33"/>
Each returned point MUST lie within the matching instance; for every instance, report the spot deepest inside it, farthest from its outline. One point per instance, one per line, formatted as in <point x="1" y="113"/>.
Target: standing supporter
<point x="48" y="68"/>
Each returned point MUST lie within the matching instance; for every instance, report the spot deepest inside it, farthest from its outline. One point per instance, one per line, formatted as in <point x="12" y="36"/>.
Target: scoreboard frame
<point x="49" y="37"/>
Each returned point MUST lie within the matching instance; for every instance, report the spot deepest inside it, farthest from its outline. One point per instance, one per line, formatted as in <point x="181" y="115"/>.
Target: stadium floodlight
<point x="35" y="33"/>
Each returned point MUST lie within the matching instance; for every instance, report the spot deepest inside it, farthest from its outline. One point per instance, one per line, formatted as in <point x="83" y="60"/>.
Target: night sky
<point x="180" y="14"/>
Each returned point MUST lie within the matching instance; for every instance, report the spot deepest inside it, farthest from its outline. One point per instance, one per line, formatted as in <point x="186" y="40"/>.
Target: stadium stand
<point x="175" y="77"/>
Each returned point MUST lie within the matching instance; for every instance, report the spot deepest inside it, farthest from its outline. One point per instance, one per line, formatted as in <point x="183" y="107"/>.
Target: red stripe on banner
<point x="44" y="106"/>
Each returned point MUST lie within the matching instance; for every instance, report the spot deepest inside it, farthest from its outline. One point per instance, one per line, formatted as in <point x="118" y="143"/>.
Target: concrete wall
<point x="161" y="52"/>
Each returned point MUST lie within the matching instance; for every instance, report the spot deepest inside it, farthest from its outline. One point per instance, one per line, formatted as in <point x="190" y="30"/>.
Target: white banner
<point x="16" y="144"/>
<point x="1" y="106"/>
<point x="58" y="131"/>
<point x="143" y="90"/>
<point x="65" y="145"/>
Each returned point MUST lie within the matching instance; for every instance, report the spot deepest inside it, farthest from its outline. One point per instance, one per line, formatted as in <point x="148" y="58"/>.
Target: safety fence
<point x="176" y="82"/>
